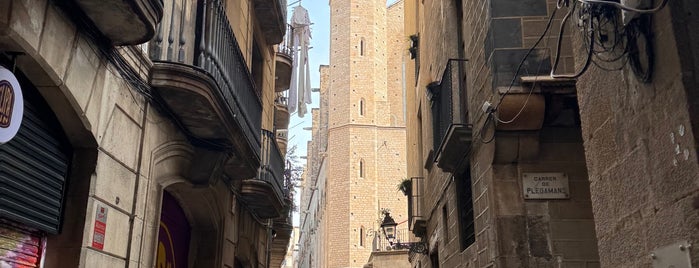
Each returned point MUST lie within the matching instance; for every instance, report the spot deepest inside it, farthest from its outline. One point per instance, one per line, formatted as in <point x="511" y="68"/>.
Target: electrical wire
<point x="488" y="119"/>
<point x="639" y="28"/>
<point x="531" y="90"/>
<point x="524" y="59"/>
<point x="625" y="7"/>
<point x="103" y="47"/>
<point x="591" y="48"/>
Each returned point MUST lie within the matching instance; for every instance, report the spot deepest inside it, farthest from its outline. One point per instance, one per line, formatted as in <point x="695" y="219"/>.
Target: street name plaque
<point x="549" y="185"/>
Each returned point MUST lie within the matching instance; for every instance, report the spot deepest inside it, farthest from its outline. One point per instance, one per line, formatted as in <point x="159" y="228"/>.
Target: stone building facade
<point x="488" y="126"/>
<point x="155" y="122"/>
<point x="358" y="145"/>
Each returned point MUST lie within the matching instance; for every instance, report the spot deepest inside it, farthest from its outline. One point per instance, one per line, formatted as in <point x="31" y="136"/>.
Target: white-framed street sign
<point x="545" y="185"/>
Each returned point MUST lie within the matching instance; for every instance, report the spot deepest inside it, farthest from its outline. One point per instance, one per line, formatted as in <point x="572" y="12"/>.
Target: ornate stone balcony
<point x="200" y="76"/>
<point x="281" y="111"/>
<point x="282" y="140"/>
<point x="125" y="22"/>
<point x="284" y="58"/>
<point x="283" y="229"/>
<point x="271" y="14"/>
<point x="266" y="193"/>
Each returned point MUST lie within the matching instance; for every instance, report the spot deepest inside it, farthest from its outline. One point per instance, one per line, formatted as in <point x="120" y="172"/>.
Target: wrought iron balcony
<point x="281" y="110"/>
<point x="284" y="58"/>
<point x="380" y="243"/>
<point x="271" y="15"/>
<point x="283" y="229"/>
<point x="266" y="194"/>
<point x="282" y="139"/>
<point x="201" y="76"/>
<point x="416" y="221"/>
<point x="125" y="22"/>
<point x="452" y="135"/>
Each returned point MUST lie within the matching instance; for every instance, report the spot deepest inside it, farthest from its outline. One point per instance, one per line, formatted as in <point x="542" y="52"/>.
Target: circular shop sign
<point x="11" y="105"/>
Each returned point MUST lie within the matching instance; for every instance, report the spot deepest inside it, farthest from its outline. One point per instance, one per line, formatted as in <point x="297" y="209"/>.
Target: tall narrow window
<point x="464" y="197"/>
<point x="361" y="107"/>
<point x="361" y="47"/>
<point x="361" y="168"/>
<point x="361" y="236"/>
<point x="257" y="68"/>
<point x="434" y="258"/>
<point x="445" y="223"/>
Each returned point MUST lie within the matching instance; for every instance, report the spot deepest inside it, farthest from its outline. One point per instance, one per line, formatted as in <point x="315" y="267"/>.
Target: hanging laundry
<point x="300" y="89"/>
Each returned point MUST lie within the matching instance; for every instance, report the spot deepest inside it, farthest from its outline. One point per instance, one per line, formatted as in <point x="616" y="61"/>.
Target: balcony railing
<point x="287" y="46"/>
<point x="416" y="221"/>
<point x="266" y="193"/>
<point x="284" y="57"/>
<point x="380" y="242"/>
<point x="220" y="55"/>
<point x="451" y="131"/>
<point x="201" y="73"/>
<point x="281" y="110"/>
<point x="282" y="139"/>
<point x="272" y="170"/>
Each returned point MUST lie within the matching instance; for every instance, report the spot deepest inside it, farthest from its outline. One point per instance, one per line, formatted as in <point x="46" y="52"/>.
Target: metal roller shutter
<point x="33" y="168"/>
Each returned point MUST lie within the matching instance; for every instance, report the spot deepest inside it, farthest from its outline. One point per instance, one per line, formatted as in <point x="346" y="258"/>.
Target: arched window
<point x="361" y="107"/>
<point x="361" y="47"/>
<point x="361" y="168"/>
<point x="361" y="236"/>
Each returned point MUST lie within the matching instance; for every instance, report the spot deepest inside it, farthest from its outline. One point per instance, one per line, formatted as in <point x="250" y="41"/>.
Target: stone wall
<point x="641" y="147"/>
<point x="365" y="127"/>
<point x="127" y="152"/>
<point x="510" y="231"/>
<point x="388" y="259"/>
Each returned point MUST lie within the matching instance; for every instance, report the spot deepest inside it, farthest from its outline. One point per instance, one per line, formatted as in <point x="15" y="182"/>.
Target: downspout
<point x="132" y="216"/>
<point x="268" y="248"/>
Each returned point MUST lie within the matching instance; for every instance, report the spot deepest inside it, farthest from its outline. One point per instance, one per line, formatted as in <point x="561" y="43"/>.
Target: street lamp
<point x="388" y="226"/>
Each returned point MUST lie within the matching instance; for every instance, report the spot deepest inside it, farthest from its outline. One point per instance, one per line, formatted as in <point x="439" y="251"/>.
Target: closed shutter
<point x="33" y="168"/>
<point x="19" y="247"/>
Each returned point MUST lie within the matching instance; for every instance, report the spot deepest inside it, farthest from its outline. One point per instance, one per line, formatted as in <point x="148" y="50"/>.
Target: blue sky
<point x="319" y="13"/>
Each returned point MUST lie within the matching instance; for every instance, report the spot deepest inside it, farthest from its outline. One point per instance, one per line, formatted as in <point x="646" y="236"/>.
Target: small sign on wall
<point x="100" y="227"/>
<point x="548" y="185"/>
<point x="11" y="105"/>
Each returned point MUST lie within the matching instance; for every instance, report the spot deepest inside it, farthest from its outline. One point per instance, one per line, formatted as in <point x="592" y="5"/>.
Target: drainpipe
<point x="132" y="216"/>
<point x="269" y="242"/>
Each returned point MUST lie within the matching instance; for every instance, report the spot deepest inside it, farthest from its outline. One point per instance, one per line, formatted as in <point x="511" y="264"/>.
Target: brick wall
<point x="361" y="69"/>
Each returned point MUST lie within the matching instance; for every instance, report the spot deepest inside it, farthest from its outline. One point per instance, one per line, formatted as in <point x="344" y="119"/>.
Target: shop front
<point x="173" y="236"/>
<point x="34" y="163"/>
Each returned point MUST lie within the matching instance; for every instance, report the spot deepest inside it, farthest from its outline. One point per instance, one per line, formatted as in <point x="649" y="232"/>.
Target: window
<point x="361" y="168"/>
<point x="445" y="223"/>
<point x="464" y="197"/>
<point x="361" y="47"/>
<point x="361" y="107"/>
<point x="361" y="236"/>
<point x="434" y="259"/>
<point x="257" y="68"/>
